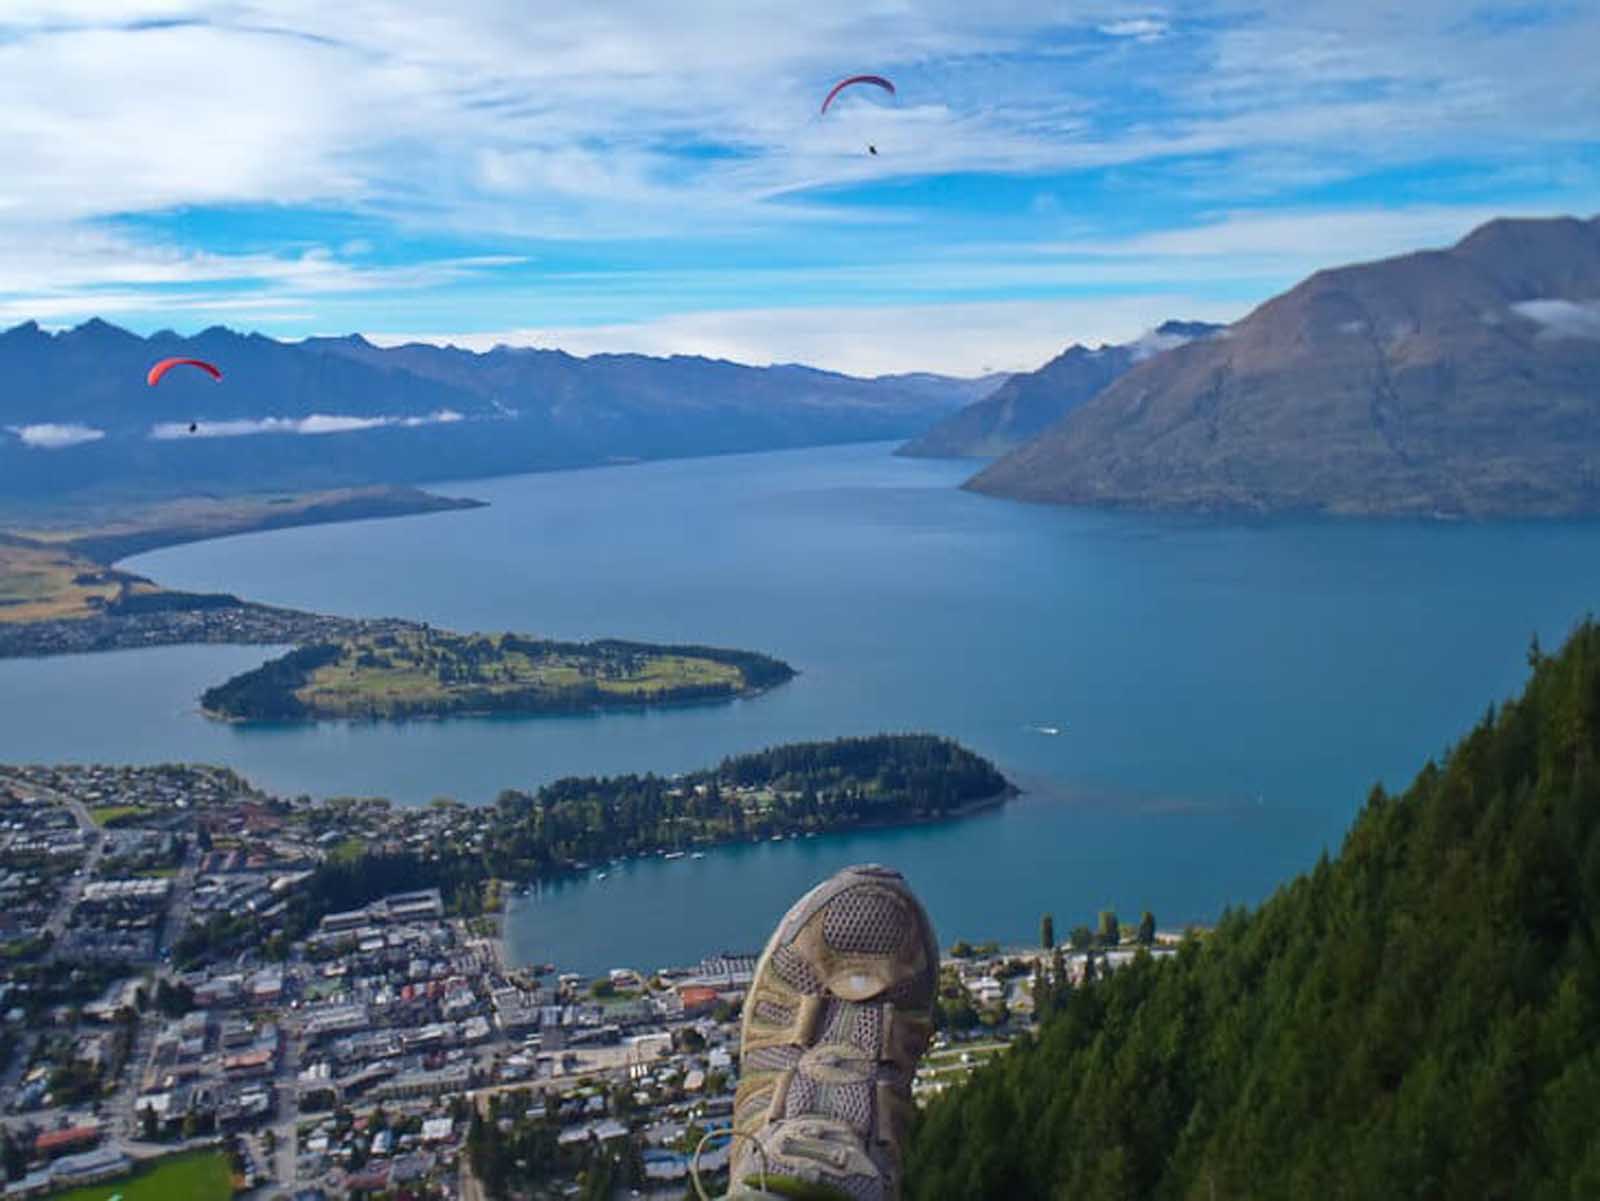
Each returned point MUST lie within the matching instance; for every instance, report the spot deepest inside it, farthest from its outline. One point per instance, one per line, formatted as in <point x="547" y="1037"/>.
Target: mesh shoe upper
<point x="837" y="1017"/>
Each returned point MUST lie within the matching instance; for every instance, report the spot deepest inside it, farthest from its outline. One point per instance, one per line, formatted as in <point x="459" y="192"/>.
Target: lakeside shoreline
<point x="61" y="592"/>
<point x="510" y="892"/>
<point x="958" y="813"/>
<point x="105" y="536"/>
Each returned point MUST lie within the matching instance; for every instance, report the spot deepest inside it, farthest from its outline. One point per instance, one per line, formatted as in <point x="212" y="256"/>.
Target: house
<point x="58" y="1142"/>
<point x="249" y="1063"/>
<point x="697" y="998"/>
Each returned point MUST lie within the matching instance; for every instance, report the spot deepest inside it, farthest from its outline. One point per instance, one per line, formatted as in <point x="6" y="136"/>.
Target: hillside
<point x="78" y="421"/>
<point x="1414" y="1018"/>
<point x="1028" y="403"/>
<point x="1448" y="382"/>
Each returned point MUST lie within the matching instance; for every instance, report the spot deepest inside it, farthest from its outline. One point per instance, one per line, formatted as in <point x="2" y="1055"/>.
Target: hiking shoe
<point x="838" y="1015"/>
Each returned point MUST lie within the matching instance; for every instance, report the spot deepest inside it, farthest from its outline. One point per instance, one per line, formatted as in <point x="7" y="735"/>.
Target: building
<point x="456" y="1078"/>
<point x="697" y="998"/>
<point x="51" y="1143"/>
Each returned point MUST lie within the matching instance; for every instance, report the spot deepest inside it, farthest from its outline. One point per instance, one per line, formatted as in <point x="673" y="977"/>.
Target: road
<point x="94" y="838"/>
<point x="286" y="1157"/>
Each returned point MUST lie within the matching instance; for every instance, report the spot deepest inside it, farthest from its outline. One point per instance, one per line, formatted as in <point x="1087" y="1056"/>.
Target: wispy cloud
<point x="1563" y="318"/>
<point x="55" y="437"/>
<point x="959" y="339"/>
<point x="1143" y="29"/>
<point x="488" y="155"/>
<point x="316" y="424"/>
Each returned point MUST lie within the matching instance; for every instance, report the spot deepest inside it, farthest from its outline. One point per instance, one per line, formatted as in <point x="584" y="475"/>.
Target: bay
<point x="1225" y="691"/>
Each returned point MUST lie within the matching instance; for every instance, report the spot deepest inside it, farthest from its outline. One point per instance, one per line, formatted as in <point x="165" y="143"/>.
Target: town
<point x="178" y="1014"/>
<point x="179" y="619"/>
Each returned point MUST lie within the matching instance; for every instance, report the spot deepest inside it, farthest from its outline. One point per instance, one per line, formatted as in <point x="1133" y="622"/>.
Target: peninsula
<point x="418" y="671"/>
<point x="60" y="592"/>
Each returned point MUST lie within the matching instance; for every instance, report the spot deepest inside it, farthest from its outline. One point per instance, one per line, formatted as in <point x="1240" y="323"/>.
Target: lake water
<point x="1225" y="691"/>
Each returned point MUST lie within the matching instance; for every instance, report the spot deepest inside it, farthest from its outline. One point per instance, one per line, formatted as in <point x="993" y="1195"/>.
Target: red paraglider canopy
<point x="875" y="80"/>
<point x="166" y="365"/>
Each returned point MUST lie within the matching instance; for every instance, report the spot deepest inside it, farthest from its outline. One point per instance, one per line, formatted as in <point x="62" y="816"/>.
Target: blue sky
<point x="655" y="176"/>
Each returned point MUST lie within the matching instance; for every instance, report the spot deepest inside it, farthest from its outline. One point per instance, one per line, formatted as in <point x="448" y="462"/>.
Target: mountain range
<point x="1026" y="404"/>
<point x="77" y="417"/>
<point x="1457" y="382"/>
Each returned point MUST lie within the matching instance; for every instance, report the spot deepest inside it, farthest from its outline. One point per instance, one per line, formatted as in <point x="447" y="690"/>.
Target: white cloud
<point x="55" y="437"/>
<point x="317" y="423"/>
<point x="40" y="261"/>
<point x="632" y="120"/>
<point x="956" y="339"/>
<point x="473" y="111"/>
<point x="1142" y="29"/>
<point x="1153" y="342"/>
<point x="1563" y="318"/>
<point x="1325" y="235"/>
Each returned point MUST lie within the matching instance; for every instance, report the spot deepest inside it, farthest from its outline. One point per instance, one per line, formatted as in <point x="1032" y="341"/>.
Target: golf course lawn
<point x="194" y="1176"/>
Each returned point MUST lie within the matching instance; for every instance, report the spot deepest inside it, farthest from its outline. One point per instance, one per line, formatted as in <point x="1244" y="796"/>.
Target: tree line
<point x="268" y="692"/>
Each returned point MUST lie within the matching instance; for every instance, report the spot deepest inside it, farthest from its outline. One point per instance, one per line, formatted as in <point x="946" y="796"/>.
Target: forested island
<point x="800" y="788"/>
<point x="1415" y="1017"/>
<point x="419" y="671"/>
<point x="797" y="789"/>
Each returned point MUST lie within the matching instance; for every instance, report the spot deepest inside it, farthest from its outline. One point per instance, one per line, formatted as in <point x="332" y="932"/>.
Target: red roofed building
<point x="697" y="998"/>
<point x="59" y="1142"/>
<point x="249" y="1063"/>
<point x="373" y="1180"/>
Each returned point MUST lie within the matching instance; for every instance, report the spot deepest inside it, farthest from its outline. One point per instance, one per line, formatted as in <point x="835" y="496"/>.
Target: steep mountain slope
<point x="1415" y="1018"/>
<point x="1462" y="381"/>
<point x="76" y="415"/>
<point x="1029" y="403"/>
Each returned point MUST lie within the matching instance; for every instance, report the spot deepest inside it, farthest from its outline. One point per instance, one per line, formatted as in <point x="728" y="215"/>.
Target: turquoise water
<point x="1225" y="691"/>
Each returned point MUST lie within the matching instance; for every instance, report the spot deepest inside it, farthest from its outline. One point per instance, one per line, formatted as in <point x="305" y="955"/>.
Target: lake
<point x="1225" y="691"/>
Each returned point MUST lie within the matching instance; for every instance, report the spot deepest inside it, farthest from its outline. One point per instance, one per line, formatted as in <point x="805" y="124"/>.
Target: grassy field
<point x="957" y="1062"/>
<point x="42" y="583"/>
<point x="346" y="850"/>
<point x="116" y="815"/>
<point x="196" y="1176"/>
<point x="408" y="672"/>
<point x="53" y="565"/>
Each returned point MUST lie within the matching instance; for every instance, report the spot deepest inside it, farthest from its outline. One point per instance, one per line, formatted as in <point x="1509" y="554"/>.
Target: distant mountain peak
<point x="1463" y="381"/>
<point x="1189" y="329"/>
<point x="1030" y="402"/>
<point x="94" y="330"/>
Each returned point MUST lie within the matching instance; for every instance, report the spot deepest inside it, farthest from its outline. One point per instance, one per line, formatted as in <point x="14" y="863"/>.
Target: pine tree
<point x="1047" y="931"/>
<point x="1110" y="931"/>
<point x="1412" y="1017"/>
